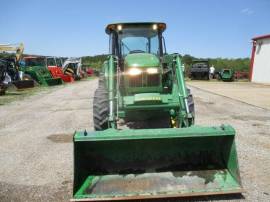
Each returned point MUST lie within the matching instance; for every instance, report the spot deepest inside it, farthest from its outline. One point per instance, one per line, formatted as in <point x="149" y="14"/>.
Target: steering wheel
<point x="136" y="51"/>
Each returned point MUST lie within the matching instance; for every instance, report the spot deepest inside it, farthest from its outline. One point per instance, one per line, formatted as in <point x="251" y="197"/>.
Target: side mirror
<point x="164" y="45"/>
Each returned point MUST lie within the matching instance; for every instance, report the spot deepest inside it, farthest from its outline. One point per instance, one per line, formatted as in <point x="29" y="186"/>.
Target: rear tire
<point x="206" y="77"/>
<point x="191" y="106"/>
<point x="101" y="107"/>
<point x="3" y="89"/>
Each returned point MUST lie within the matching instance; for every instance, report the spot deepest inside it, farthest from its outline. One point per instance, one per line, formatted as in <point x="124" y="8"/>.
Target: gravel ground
<point x="252" y="126"/>
<point x="247" y="92"/>
<point x="36" y="142"/>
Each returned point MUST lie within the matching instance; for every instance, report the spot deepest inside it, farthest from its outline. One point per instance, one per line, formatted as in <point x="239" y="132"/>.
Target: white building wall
<point x="261" y="66"/>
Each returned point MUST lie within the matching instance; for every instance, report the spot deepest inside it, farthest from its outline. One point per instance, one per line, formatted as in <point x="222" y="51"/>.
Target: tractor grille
<point x="153" y="80"/>
<point x="144" y="80"/>
<point x="135" y="81"/>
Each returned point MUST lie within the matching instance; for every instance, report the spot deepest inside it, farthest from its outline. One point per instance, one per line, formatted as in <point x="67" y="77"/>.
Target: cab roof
<point x="32" y="57"/>
<point x="200" y="60"/>
<point x="111" y="27"/>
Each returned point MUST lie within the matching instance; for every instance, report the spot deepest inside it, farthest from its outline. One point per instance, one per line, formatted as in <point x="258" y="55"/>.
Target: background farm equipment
<point x="10" y="67"/>
<point x="55" y="67"/>
<point x="226" y="75"/>
<point x="90" y="71"/>
<point x="35" y="67"/>
<point x="73" y="67"/>
<point x="3" y="77"/>
<point x="241" y="75"/>
<point x="199" y="70"/>
<point x="166" y="157"/>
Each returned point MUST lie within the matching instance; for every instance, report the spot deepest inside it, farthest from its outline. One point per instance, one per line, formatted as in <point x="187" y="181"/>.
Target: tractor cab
<point x="34" y="61"/>
<point x="132" y="38"/>
<point x="51" y="62"/>
<point x="139" y="48"/>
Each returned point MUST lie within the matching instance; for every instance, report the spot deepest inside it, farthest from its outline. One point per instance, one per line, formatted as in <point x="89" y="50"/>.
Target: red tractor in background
<point x="241" y="75"/>
<point x="55" y="67"/>
<point x="90" y="71"/>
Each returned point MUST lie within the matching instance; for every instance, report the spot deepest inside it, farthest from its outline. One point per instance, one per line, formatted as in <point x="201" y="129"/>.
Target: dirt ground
<point x="250" y="93"/>
<point x="36" y="151"/>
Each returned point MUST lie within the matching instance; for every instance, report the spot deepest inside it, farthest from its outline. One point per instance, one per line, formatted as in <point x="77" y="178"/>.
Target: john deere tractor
<point x="125" y="158"/>
<point x="36" y="68"/>
<point x="226" y="75"/>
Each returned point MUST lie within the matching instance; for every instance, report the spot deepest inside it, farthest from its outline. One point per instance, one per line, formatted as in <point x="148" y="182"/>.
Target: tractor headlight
<point x="134" y="71"/>
<point x="152" y="70"/>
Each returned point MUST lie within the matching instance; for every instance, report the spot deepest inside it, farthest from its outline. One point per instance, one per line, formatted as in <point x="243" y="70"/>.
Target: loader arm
<point x="111" y="90"/>
<point x="174" y="65"/>
<point x="18" y="49"/>
<point x="183" y="96"/>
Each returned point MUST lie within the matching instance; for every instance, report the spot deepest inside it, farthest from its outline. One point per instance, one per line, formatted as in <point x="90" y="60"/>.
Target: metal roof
<point x="261" y="37"/>
<point x="112" y="26"/>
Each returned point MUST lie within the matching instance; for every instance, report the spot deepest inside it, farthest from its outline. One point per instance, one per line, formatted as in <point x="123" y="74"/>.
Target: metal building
<point x="260" y="60"/>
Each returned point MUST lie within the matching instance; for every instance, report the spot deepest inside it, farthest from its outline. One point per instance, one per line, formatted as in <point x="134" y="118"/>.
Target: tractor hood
<point x="36" y="68"/>
<point x="141" y="60"/>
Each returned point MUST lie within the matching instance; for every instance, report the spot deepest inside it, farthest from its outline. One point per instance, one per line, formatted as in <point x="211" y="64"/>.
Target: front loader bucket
<point x="155" y="163"/>
<point x="54" y="81"/>
<point x="24" y="84"/>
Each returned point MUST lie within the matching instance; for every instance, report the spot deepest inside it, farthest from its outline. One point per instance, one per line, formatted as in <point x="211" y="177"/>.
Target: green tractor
<point x="36" y="68"/>
<point x="226" y="75"/>
<point x="146" y="144"/>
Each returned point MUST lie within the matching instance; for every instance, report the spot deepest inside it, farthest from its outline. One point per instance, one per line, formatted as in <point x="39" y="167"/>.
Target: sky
<point x="206" y="28"/>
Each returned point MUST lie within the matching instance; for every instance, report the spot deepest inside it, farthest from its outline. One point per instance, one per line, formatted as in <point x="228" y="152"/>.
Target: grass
<point x="12" y="94"/>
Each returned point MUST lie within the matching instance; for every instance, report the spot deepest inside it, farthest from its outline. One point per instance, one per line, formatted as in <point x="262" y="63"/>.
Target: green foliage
<point x="94" y="61"/>
<point x="6" y="55"/>
<point x="238" y="64"/>
<point x="187" y="59"/>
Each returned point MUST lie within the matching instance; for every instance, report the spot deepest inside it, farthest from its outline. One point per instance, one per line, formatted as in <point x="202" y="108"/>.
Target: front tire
<point x="101" y="107"/>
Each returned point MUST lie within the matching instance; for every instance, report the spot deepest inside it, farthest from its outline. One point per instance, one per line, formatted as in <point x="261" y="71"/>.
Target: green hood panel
<point x="141" y="60"/>
<point x="35" y="68"/>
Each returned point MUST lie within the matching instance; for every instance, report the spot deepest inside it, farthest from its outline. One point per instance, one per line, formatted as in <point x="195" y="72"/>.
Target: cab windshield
<point x="34" y="62"/>
<point x="58" y="62"/>
<point x="142" y="40"/>
<point x="51" y="62"/>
